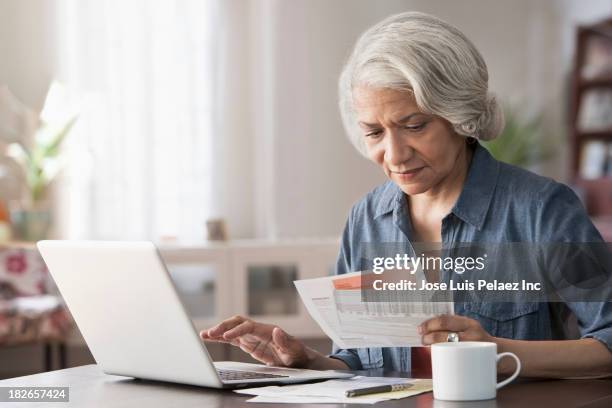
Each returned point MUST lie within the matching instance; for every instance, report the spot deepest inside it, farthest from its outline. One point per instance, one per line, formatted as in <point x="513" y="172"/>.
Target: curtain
<point x="143" y="157"/>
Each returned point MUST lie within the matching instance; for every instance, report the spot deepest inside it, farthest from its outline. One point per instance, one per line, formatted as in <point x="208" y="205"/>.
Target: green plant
<point x="40" y="157"/>
<point x="40" y="161"/>
<point x="520" y="142"/>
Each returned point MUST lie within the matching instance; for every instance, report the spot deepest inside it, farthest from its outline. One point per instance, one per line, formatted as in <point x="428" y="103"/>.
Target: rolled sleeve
<point x="604" y="336"/>
<point x="595" y="321"/>
<point x="349" y="356"/>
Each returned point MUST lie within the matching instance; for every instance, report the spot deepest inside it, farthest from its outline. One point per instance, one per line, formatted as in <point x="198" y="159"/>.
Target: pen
<point x="377" y="389"/>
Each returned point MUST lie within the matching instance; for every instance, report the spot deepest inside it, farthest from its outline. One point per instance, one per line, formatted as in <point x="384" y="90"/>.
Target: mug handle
<point x="516" y="372"/>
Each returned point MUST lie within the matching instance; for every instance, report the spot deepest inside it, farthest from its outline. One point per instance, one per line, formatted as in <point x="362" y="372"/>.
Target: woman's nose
<point x="397" y="151"/>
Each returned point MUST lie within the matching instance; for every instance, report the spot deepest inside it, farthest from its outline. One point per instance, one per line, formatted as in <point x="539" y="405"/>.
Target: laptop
<point x="129" y="312"/>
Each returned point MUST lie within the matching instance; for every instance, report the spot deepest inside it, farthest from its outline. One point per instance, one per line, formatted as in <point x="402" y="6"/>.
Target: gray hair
<point x="433" y="60"/>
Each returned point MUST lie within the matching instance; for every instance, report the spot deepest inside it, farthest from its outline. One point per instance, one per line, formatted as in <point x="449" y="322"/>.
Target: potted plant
<point x="521" y="141"/>
<point x="40" y="160"/>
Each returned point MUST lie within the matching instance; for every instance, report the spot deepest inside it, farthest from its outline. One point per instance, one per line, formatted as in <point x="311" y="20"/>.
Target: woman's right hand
<point x="264" y="342"/>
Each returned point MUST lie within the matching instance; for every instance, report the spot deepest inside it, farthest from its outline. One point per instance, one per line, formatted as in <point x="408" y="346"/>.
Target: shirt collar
<point x="390" y="198"/>
<point x="475" y="198"/>
<point x="473" y="203"/>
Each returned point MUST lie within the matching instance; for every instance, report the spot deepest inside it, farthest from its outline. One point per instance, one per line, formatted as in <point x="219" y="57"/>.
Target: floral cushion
<point x="24" y="270"/>
<point x="27" y="312"/>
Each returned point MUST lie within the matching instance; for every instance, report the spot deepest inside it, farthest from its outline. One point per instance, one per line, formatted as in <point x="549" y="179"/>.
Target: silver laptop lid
<point x="127" y="309"/>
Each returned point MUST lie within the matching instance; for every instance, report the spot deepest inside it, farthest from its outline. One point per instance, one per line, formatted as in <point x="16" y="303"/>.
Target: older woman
<point x="414" y="99"/>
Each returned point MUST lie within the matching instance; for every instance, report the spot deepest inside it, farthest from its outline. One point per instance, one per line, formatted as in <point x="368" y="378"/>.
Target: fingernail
<point x="420" y="329"/>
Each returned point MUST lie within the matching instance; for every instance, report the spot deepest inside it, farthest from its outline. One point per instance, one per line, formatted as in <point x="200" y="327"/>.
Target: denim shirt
<point x="498" y="203"/>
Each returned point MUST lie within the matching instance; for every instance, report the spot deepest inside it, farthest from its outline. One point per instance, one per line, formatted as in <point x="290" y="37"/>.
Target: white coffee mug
<point x="467" y="371"/>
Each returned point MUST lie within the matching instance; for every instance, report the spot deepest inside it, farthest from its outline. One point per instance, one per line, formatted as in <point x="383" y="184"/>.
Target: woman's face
<point x="417" y="151"/>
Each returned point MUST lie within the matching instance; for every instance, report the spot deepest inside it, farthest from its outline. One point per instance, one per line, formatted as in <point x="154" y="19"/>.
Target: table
<point x="90" y="387"/>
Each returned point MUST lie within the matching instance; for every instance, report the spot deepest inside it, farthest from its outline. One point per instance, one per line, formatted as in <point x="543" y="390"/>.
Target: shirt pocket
<point x="508" y="320"/>
<point x="370" y="357"/>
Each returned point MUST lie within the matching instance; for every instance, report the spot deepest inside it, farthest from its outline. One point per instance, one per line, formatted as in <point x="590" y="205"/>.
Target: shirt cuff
<point x="603" y="335"/>
<point x="349" y="357"/>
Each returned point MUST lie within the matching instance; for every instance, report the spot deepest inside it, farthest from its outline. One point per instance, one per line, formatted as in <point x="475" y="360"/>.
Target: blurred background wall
<point x="288" y="170"/>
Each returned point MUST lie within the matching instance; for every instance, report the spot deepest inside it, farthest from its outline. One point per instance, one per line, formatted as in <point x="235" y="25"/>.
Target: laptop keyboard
<point x="233" y="375"/>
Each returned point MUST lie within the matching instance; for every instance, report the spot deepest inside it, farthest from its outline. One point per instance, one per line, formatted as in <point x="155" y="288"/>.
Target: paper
<point x="333" y="391"/>
<point x="331" y="388"/>
<point x="336" y="304"/>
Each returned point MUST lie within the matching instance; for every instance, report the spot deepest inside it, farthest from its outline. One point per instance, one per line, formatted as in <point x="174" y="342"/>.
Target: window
<point x="143" y="156"/>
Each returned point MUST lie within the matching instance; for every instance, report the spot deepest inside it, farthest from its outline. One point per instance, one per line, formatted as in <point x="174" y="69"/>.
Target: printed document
<point x="337" y="305"/>
<point x="333" y="391"/>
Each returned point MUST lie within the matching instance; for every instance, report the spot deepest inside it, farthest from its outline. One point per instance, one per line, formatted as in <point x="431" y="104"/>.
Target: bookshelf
<point x="592" y="76"/>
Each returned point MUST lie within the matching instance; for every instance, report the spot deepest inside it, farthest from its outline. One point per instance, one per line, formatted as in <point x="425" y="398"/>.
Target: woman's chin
<point x="413" y="188"/>
<point x="412" y="184"/>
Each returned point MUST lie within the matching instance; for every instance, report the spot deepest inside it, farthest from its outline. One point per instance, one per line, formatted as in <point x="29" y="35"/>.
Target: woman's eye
<point x="375" y="134"/>
<point x="416" y="128"/>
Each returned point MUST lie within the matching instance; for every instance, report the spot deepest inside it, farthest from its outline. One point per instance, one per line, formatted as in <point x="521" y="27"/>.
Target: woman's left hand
<point x="436" y="329"/>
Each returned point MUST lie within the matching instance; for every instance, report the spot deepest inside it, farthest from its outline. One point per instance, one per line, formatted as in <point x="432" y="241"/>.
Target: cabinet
<point x="250" y="278"/>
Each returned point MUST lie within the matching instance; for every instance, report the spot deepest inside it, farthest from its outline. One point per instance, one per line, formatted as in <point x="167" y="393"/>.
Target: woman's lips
<point x="407" y="175"/>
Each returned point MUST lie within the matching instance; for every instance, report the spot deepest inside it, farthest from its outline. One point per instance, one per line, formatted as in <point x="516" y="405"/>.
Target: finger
<point x="290" y="351"/>
<point x="264" y="357"/>
<point x="204" y="336"/>
<point x="243" y="328"/>
<point x="218" y="330"/>
<point x="225" y="325"/>
<point x="437" y="337"/>
<point x="246" y="345"/>
<point x="232" y="342"/>
<point x="235" y="342"/>
<point x="258" y="350"/>
<point x="250" y="343"/>
<point x="447" y="323"/>
<point x="261" y="345"/>
<point x="284" y="342"/>
<point x="279" y="337"/>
